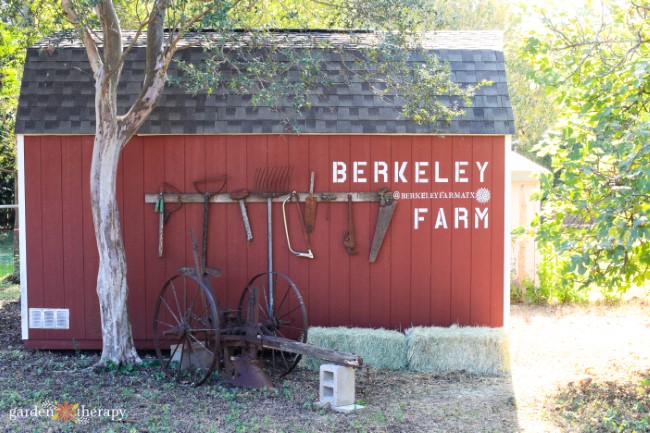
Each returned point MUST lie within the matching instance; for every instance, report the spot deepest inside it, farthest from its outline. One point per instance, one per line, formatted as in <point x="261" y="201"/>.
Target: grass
<point x="9" y="292"/>
<point x="621" y="406"/>
<point x="143" y="399"/>
<point x="6" y="253"/>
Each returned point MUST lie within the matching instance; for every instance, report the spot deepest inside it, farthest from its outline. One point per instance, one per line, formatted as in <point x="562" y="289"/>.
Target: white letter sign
<point x="338" y="172"/>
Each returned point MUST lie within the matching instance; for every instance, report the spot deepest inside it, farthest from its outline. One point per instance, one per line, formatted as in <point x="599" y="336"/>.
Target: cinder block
<point x="197" y="357"/>
<point x="337" y="385"/>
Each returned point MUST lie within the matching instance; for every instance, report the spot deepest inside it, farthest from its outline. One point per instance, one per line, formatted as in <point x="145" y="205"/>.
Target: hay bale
<point x="379" y="348"/>
<point x="478" y="350"/>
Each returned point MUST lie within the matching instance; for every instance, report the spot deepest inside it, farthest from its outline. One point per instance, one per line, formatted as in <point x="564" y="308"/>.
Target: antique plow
<point x="195" y="336"/>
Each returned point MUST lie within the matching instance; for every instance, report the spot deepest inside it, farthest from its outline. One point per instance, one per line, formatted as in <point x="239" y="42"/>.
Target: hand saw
<point x="386" y="210"/>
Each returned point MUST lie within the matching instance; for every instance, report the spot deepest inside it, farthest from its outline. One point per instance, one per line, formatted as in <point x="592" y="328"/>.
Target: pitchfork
<point x="269" y="183"/>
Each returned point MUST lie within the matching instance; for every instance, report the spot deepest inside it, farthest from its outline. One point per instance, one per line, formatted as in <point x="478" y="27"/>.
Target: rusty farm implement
<point x="264" y="336"/>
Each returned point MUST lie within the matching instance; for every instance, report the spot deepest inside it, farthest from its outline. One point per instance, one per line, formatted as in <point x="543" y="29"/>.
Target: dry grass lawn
<point x="582" y="369"/>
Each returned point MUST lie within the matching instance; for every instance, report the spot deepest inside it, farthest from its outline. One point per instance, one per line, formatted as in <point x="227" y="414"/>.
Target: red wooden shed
<point x="443" y="260"/>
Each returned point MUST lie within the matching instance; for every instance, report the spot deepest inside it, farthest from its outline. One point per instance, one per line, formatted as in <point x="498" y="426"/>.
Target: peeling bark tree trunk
<point x="112" y="134"/>
<point x="112" y="288"/>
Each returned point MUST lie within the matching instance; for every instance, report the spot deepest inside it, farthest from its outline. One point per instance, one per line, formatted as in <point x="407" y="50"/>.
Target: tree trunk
<point x="112" y="134"/>
<point x="112" y="289"/>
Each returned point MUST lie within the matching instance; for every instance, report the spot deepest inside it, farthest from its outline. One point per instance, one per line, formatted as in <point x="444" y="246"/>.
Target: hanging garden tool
<point x="216" y="185"/>
<point x="386" y="210"/>
<point x="240" y="196"/>
<point x="348" y="241"/>
<point x="310" y="207"/>
<point x="308" y="254"/>
<point x="163" y="216"/>
<point x="269" y="183"/>
<point x="159" y="207"/>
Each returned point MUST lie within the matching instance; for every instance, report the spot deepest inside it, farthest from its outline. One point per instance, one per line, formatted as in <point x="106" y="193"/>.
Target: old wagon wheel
<point x="282" y="315"/>
<point x="186" y="330"/>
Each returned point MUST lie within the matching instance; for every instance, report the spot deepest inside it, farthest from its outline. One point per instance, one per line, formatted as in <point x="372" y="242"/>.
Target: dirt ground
<point x="551" y="347"/>
<point x="560" y="345"/>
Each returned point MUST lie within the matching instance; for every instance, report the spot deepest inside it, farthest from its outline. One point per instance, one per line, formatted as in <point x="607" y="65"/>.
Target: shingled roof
<point x="57" y="96"/>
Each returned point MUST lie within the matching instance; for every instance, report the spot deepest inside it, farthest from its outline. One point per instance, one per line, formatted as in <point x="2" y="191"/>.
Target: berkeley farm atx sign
<point x="462" y="174"/>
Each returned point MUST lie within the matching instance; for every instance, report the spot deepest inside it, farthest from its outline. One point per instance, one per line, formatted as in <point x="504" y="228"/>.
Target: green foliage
<point x="554" y="286"/>
<point x="21" y="24"/>
<point x="389" y="56"/>
<point x="11" y="59"/>
<point x="271" y="70"/>
<point x="597" y="201"/>
<point x="6" y="253"/>
<point x="532" y="106"/>
<point x="471" y="14"/>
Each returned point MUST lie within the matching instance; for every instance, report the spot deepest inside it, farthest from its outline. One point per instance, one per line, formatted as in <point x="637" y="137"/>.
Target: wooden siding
<point x="423" y="276"/>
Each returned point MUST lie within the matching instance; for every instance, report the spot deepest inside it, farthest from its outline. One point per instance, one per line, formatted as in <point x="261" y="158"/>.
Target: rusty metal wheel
<point x="281" y="315"/>
<point x="186" y="330"/>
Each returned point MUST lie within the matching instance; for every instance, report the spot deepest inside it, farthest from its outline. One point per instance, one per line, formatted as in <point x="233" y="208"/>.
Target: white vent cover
<point x="49" y="318"/>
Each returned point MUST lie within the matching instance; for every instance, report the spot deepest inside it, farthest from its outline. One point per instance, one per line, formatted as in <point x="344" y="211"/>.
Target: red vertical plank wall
<point x="459" y="222"/>
<point x="52" y="232"/>
<point x="90" y="259"/>
<point x="33" y="232"/>
<point x="339" y="260"/>
<point x="380" y="278"/>
<point x="320" y="272"/>
<point x="481" y="257"/>
<point x="232" y="150"/>
<point x="277" y="156"/>
<point x="361" y="293"/>
<point x="214" y="165"/>
<point x="420" y="266"/>
<point x="133" y="221"/>
<point x="401" y="174"/>
<point x="154" y="268"/>
<point x="441" y="237"/>
<point x="299" y="271"/>
<point x="72" y="223"/>
<point x="498" y="233"/>
<point x="441" y="261"/>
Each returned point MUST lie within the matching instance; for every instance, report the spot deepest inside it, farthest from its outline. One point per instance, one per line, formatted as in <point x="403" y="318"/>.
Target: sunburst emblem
<point x="65" y="412"/>
<point x="483" y="195"/>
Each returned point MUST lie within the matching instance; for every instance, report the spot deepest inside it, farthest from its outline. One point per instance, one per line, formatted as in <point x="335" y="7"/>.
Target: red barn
<point x="443" y="260"/>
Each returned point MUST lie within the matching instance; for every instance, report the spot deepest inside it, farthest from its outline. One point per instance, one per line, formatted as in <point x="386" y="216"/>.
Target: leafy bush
<point x="555" y="283"/>
<point x="596" y="202"/>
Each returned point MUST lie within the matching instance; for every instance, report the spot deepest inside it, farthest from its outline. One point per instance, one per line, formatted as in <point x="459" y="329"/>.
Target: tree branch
<point x="138" y="32"/>
<point x="155" y="73"/>
<point x="112" y="34"/>
<point x="92" y="51"/>
<point x="157" y="61"/>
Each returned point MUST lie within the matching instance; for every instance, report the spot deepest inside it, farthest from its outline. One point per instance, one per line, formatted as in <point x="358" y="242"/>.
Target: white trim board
<point x="506" y="232"/>
<point x="22" y="237"/>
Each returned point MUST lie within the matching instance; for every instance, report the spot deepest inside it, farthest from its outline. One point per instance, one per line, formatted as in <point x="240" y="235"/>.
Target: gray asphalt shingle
<point x="57" y="96"/>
